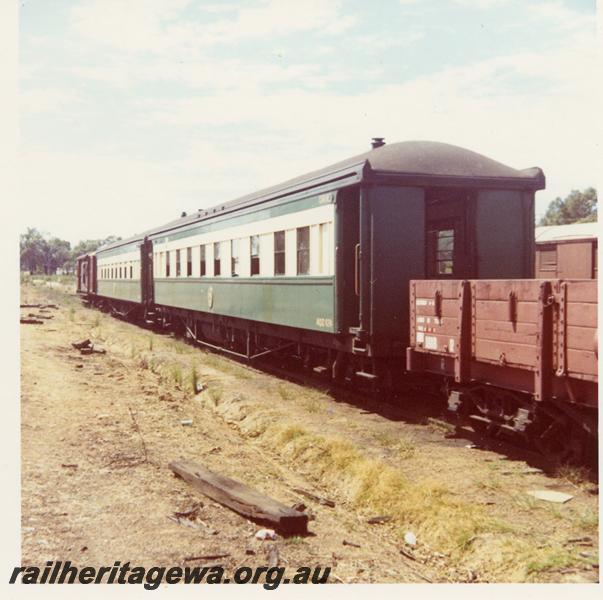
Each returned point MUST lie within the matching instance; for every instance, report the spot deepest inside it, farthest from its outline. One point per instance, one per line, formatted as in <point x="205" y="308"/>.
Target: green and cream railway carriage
<point x="320" y="265"/>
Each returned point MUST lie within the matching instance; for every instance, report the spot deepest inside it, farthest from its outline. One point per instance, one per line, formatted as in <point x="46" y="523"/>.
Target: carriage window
<point x="217" y="261"/>
<point x="279" y="252"/>
<point x="189" y="262"/>
<point x="303" y="250"/>
<point x="234" y="258"/>
<point x="167" y="263"/>
<point x="441" y="252"/>
<point x="202" y="265"/>
<point x="131" y="272"/>
<point x="178" y="252"/>
<point x="255" y="254"/>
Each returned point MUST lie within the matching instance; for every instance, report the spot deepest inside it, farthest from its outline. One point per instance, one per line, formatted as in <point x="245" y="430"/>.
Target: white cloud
<point x="480" y="106"/>
<point x="151" y="25"/>
<point x="560" y="16"/>
<point x="135" y="25"/>
<point x="216" y="75"/>
<point x="383" y="42"/>
<point x="276" y="117"/>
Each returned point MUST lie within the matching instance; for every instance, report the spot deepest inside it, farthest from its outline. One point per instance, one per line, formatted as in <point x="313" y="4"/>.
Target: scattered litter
<point x="27" y="321"/>
<point x="379" y="519"/>
<point x="98" y="349"/>
<point x="410" y="538"/>
<point x="80" y="366"/>
<point x="531" y="471"/>
<point x="40" y="306"/>
<point x="69" y="466"/>
<point x="407" y="554"/>
<point x="199" y="387"/>
<point x="550" y="496"/>
<point x="581" y="541"/>
<point x="191" y="514"/>
<point x="207" y="557"/>
<point x="273" y="556"/>
<point x="299" y="506"/>
<point x="185" y="522"/>
<point x="320" y="500"/>
<point x="346" y="543"/>
<point x="215" y="450"/>
<point x="81" y="344"/>
<point x="249" y="551"/>
<point x="266" y="534"/>
<point x="186" y="422"/>
<point x="470" y="446"/>
<point x="87" y="350"/>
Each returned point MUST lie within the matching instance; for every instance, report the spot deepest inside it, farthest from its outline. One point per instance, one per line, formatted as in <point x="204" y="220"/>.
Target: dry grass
<point x="284" y="392"/>
<point x="426" y="507"/>
<point x="215" y="394"/>
<point x="576" y="475"/>
<point x="402" y="447"/>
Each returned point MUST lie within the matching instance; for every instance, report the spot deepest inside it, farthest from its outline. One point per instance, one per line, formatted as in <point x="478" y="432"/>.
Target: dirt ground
<point x="98" y="432"/>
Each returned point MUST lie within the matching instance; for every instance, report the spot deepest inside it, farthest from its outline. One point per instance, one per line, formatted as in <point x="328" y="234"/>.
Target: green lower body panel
<point x="120" y="290"/>
<point x="307" y="303"/>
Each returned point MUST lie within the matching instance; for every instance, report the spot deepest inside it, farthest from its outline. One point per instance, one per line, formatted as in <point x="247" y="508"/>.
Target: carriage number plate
<point x="323" y="322"/>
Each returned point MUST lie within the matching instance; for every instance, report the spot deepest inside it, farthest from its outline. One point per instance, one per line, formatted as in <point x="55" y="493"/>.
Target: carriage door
<point x="146" y="272"/>
<point x="450" y="235"/>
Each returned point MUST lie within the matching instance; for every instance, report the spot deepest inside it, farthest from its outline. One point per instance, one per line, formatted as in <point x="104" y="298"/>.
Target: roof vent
<point x="377" y="142"/>
<point x="183" y="214"/>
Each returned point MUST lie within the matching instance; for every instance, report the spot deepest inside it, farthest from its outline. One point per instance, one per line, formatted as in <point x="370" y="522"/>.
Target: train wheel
<point x="560" y="440"/>
<point x="497" y="412"/>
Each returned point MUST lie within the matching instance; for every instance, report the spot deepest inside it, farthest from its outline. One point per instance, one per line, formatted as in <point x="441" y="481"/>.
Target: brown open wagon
<point x="520" y="356"/>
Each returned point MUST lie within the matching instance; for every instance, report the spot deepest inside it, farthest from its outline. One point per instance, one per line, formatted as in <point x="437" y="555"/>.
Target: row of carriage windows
<point x="117" y="272"/>
<point x="184" y="257"/>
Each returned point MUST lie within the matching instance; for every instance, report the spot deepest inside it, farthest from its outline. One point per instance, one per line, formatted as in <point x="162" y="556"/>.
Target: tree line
<point x="45" y="254"/>
<point x="577" y="207"/>
<point x="41" y="253"/>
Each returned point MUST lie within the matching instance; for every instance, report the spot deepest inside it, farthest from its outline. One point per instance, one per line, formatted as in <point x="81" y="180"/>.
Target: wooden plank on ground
<point x="241" y="498"/>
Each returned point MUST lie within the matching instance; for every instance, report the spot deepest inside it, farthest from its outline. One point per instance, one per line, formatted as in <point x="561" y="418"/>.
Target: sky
<point x="132" y="111"/>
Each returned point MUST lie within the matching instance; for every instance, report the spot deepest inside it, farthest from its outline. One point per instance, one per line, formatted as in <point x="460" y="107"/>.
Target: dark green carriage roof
<point x="420" y="163"/>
